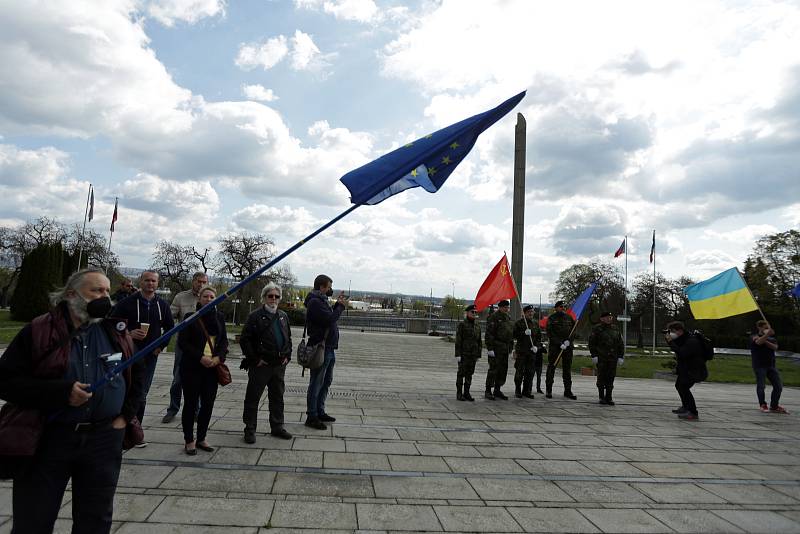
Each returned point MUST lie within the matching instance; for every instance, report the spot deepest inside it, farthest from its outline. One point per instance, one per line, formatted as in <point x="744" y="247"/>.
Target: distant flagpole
<point x="89" y="198"/>
<point x="111" y="235"/>
<point x="521" y="308"/>
<point x="653" y="254"/>
<point x="625" y="305"/>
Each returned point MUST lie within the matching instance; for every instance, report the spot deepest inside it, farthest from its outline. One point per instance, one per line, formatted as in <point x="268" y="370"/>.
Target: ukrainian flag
<point x="721" y="296"/>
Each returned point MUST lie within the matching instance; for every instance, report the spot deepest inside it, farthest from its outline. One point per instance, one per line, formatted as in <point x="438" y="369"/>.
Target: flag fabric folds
<point x="426" y="162"/>
<point x="576" y="310"/>
<point x="498" y="286"/>
<point x="91" y="205"/>
<point x="795" y="291"/>
<point x="621" y="250"/>
<point x="721" y="296"/>
<point x="114" y="217"/>
<point x="653" y="248"/>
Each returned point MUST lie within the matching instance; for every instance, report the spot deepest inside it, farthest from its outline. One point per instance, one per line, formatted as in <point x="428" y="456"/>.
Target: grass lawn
<point x="8" y="328"/>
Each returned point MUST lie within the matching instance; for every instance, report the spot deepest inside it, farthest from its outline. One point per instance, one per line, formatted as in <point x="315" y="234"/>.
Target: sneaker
<point x="779" y="409"/>
<point x="325" y="418"/>
<point x="168" y="418"/>
<point x="313" y="422"/>
<point x="280" y="433"/>
<point x="764" y="408"/>
<point x="141" y="445"/>
<point x="688" y="416"/>
<point x="679" y="410"/>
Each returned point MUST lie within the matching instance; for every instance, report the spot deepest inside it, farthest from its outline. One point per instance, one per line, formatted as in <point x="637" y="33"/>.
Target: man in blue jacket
<point x="321" y="324"/>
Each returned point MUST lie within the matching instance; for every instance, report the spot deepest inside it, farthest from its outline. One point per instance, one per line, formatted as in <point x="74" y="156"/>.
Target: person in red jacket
<point x="52" y="428"/>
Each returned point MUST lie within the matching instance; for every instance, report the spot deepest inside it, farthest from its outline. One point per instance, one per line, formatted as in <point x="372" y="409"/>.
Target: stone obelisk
<point x="518" y="225"/>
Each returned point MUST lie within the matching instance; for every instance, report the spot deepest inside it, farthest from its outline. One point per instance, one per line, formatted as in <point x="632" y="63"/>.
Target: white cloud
<point x="356" y="10"/>
<point x="21" y="168"/>
<point x="747" y="234"/>
<point x="303" y="53"/>
<point x="266" y="54"/>
<point x="279" y="223"/>
<point x="259" y="93"/>
<point x="146" y="192"/>
<point x="710" y="260"/>
<point x="168" y="12"/>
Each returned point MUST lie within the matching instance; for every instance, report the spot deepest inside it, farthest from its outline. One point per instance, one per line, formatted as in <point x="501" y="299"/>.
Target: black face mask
<point x="329" y="292"/>
<point x="98" y="308"/>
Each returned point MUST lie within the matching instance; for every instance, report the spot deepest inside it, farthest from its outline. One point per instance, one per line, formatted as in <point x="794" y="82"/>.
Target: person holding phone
<point x="762" y="350"/>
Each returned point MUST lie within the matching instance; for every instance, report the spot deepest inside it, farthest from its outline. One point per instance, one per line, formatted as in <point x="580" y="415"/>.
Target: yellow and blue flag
<point x="425" y="163"/>
<point x="724" y="295"/>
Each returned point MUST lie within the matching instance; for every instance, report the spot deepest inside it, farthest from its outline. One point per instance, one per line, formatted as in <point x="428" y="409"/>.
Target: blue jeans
<point x="175" y="388"/>
<point x="150" y="363"/>
<point x="771" y="374"/>
<point x="319" y="384"/>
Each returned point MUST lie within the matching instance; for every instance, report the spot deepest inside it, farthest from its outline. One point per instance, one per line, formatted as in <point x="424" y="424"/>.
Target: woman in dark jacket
<point x="204" y="344"/>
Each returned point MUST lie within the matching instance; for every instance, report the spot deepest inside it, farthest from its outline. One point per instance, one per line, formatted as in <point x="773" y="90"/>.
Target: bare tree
<point x="95" y="248"/>
<point x="203" y="258"/>
<point x="240" y="255"/>
<point x="175" y="263"/>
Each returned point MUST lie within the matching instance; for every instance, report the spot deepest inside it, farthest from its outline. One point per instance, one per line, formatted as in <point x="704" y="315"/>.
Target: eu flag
<point x="424" y="163"/>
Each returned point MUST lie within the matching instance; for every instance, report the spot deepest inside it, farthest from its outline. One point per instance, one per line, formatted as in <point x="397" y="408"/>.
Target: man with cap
<point x="528" y="340"/>
<point x="468" y="350"/>
<point x="559" y="329"/>
<point x="499" y="342"/>
<point x="607" y="351"/>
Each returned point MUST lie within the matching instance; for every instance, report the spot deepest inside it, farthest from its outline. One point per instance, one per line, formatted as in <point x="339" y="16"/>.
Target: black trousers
<point x="684" y="387"/>
<point x="199" y="387"/>
<point x="566" y="366"/>
<point x="258" y="378"/>
<point x="91" y="458"/>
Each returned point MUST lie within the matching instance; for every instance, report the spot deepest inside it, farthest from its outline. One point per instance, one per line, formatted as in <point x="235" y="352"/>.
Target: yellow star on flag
<point x="432" y="171"/>
<point x="455" y="145"/>
<point x="409" y="145"/>
<point x="446" y="160"/>
<point x="414" y="173"/>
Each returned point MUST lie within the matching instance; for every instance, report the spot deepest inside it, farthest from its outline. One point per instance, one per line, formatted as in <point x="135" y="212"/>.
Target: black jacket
<point x="192" y="340"/>
<point x="258" y="338"/>
<point x="320" y="317"/>
<point x="690" y="358"/>
<point x="135" y="310"/>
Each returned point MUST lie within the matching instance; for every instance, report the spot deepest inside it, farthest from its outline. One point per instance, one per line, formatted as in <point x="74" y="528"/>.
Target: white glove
<point x="566" y="343"/>
<point x="490" y="354"/>
<point x="528" y="332"/>
<point x="620" y="361"/>
<point x="594" y="360"/>
<point x="535" y="349"/>
<point x="458" y="359"/>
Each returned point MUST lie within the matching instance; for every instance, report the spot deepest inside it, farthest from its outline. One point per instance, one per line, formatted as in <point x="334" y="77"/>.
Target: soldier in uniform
<point x="607" y="350"/>
<point x="468" y="350"/>
<point x="528" y="340"/>
<point x="559" y="328"/>
<point x="499" y="342"/>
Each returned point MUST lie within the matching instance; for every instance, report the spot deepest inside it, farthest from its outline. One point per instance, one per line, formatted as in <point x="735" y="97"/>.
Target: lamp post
<point x="251" y="302"/>
<point x="235" y="302"/>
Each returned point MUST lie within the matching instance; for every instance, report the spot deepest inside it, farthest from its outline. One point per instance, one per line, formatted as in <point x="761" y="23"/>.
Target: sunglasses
<point x="273" y="296"/>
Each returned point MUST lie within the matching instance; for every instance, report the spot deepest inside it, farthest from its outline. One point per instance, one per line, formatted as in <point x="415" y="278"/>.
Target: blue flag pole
<point x="109" y="376"/>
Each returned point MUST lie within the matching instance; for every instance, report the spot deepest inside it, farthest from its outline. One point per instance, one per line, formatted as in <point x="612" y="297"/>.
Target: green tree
<point x="41" y="272"/>
<point x="452" y="308"/>
<point x="610" y="291"/>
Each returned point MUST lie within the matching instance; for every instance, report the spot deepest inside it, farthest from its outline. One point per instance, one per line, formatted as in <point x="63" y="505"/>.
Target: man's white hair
<point x="74" y="282"/>
<point x="269" y="287"/>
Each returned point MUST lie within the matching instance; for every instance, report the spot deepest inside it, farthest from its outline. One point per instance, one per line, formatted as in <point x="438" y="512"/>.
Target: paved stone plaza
<point x="404" y="455"/>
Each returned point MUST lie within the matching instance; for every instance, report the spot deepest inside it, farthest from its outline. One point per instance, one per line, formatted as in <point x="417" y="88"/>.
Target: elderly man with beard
<point x="266" y="343"/>
<point x="54" y="430"/>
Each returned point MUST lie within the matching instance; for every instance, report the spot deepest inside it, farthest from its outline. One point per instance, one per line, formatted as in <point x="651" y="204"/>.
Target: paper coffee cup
<point x="145" y="327"/>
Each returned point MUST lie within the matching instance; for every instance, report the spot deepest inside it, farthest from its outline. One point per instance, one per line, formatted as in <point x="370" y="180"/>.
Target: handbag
<point x="223" y="373"/>
<point x="134" y="434"/>
<point x="311" y="356"/>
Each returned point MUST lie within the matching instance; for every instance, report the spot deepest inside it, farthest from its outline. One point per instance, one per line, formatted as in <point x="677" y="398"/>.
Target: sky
<point x="212" y="117"/>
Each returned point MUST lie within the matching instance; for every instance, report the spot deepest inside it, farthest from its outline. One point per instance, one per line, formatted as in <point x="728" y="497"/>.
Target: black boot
<point x="602" y="391"/>
<point x="467" y="396"/>
<point x="488" y="395"/>
<point x="609" y="401"/>
<point x="499" y="394"/>
<point x="517" y="391"/>
<point x="568" y="394"/>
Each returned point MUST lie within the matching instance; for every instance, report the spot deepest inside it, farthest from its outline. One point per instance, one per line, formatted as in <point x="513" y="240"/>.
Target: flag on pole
<point x="576" y="310"/>
<point x="653" y="248"/>
<point x="91" y="204"/>
<point x="114" y="217"/>
<point x="721" y="296"/>
<point x="426" y="162"/>
<point x="497" y="286"/>
<point x="621" y="250"/>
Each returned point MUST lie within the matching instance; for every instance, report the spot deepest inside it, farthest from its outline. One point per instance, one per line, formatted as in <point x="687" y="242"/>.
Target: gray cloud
<point x="636" y="63"/>
<point x="586" y="230"/>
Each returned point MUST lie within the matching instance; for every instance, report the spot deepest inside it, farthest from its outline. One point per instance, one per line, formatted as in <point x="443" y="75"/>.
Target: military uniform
<point x="525" y="363"/>
<point x="605" y="343"/>
<point x="468" y="348"/>
<point x="500" y="339"/>
<point x="559" y="327"/>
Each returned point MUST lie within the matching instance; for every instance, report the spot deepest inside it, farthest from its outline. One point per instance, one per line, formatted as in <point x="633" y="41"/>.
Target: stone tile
<point x="622" y="520"/>
<point x="492" y="489"/>
<point x="649" y="455"/>
<point x="551" y="520"/>
<point x="139" y="476"/>
<point x="614" y="469"/>
<point x="518" y="452"/>
<point x="578" y="440"/>
<point x="729" y="471"/>
<point x="791" y="490"/>
<point x="421" y="435"/>
<point x="673" y="470"/>
<point x="213" y="511"/>
<point x="323" y="484"/>
<point x="759" y="521"/>
<point x="164" y="528"/>
<point x="427" y="464"/>
<point x="484" y="466"/>
<point x="555" y="467"/>
<point x="577" y="453"/>
<point x="605" y="492"/>
<point x="291" y="458"/>
<point x="312" y="444"/>
<point x="350" y="431"/>
<point x="447" y="449"/>
<point x="522" y="439"/>
<point x="723" y="457"/>
<point x="127" y="507"/>
<point x="469" y="437"/>
<point x="690" y="521"/>
<point x="166" y="451"/>
<point x="423" y="487"/>
<point x="236" y="456"/>
<point x="396" y="517"/>
<point x="748" y="494"/>
<point x="351" y="460"/>
<point x="678" y="493"/>
<point x="460" y="518"/>
<point x="381" y="447"/>
<point x="302" y="514"/>
<point x="193" y="478"/>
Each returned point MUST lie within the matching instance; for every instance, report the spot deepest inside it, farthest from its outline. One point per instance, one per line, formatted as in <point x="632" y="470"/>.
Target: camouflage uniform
<point x="605" y="343"/>
<point x="468" y="347"/>
<point x="559" y="326"/>
<point x="525" y="364"/>
<point x="500" y="339"/>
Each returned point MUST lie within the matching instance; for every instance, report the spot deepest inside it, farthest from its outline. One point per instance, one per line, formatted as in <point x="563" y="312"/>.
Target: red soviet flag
<point x="498" y="286"/>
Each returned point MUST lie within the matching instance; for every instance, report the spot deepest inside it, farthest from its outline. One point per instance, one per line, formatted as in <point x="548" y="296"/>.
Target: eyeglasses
<point x="273" y="296"/>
